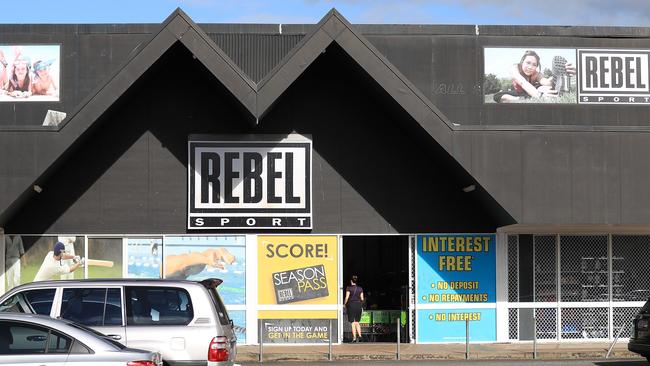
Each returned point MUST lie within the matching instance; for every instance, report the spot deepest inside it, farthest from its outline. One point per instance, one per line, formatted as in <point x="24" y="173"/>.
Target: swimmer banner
<point x="566" y="75"/>
<point x="297" y="277"/>
<point x="453" y="270"/>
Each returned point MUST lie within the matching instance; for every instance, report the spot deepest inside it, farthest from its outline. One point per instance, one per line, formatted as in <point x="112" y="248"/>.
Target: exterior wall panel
<point x="546" y="176"/>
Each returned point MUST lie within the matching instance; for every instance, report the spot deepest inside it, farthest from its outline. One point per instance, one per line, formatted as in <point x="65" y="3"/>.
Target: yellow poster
<point x="296" y="276"/>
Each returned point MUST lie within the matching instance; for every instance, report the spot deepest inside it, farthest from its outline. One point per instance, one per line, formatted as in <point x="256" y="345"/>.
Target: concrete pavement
<point x="388" y="351"/>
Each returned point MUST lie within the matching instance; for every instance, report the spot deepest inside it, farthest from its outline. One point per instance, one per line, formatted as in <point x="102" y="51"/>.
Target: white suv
<point x="185" y="321"/>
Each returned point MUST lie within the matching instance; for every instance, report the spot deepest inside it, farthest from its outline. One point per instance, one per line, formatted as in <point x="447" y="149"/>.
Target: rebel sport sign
<point x="611" y="76"/>
<point x="256" y="182"/>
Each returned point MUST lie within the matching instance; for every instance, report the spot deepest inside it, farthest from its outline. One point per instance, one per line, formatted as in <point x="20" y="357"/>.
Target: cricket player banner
<point x="262" y="182"/>
<point x="566" y="75"/>
<point x="455" y="269"/>
<point x="297" y="288"/>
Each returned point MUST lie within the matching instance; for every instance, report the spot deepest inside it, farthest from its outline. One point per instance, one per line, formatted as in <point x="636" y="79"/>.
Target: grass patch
<point x="566" y="98"/>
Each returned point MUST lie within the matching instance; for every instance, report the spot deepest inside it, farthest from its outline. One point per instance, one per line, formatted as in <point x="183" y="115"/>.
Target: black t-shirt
<point x="355" y="293"/>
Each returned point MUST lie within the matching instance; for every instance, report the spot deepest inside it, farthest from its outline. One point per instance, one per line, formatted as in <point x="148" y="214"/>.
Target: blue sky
<point x="507" y="12"/>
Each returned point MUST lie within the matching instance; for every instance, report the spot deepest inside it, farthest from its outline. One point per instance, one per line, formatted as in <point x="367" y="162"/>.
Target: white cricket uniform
<point x="14" y="250"/>
<point x="50" y="268"/>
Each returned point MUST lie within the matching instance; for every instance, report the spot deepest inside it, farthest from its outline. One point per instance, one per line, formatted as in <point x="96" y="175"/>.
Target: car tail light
<point x="141" y="363"/>
<point x="218" y="350"/>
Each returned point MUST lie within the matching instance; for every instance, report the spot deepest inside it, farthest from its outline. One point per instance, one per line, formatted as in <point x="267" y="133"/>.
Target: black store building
<point x="384" y="150"/>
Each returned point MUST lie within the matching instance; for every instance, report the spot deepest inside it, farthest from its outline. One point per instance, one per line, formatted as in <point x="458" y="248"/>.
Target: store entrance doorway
<point x="381" y="264"/>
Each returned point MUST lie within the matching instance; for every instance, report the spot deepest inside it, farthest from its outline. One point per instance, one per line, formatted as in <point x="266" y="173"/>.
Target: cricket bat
<point x="99" y="263"/>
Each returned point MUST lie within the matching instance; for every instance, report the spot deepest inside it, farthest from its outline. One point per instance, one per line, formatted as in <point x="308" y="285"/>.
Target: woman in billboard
<point x="3" y="73"/>
<point x="528" y="80"/>
<point x="20" y="85"/>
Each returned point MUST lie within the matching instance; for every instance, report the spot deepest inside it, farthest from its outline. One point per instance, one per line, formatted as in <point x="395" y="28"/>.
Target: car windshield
<point x="98" y="334"/>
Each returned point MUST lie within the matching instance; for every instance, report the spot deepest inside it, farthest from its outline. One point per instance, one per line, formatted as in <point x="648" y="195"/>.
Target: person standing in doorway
<point x="14" y="250"/>
<point x="354" y="305"/>
<point x="52" y="265"/>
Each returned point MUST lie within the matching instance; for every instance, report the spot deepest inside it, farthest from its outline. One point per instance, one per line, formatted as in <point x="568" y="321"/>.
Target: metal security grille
<point x="513" y="324"/>
<point x="630" y="254"/>
<point x="585" y="323"/>
<point x="623" y="318"/>
<point x="590" y="270"/>
<point x="546" y="323"/>
<point x="513" y="268"/>
<point x="583" y="274"/>
<point x="545" y="268"/>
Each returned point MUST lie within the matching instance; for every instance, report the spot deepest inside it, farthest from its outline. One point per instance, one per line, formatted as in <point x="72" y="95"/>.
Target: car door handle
<point x="116" y="337"/>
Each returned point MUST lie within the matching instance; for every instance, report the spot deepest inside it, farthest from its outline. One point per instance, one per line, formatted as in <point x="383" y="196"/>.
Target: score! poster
<point x="297" y="288"/>
<point x="300" y="271"/>
<point x="454" y="272"/>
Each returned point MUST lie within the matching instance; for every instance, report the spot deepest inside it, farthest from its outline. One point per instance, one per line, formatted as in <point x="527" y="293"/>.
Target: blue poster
<point x="144" y="257"/>
<point x="449" y="325"/>
<point x="455" y="269"/>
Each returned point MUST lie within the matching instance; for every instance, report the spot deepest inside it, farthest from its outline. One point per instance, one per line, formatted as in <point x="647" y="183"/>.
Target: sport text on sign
<point x="250" y="184"/>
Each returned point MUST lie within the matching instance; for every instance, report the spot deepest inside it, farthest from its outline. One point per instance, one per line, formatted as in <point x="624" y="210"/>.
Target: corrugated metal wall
<point x="256" y="54"/>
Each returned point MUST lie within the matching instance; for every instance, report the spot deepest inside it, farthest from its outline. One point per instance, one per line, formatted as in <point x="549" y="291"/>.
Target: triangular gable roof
<point x="335" y="28"/>
<point x="178" y="27"/>
<point x="255" y="99"/>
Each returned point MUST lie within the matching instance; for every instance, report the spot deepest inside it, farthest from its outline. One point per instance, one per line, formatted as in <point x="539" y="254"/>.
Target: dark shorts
<point x="354" y="311"/>
<point x="514" y="93"/>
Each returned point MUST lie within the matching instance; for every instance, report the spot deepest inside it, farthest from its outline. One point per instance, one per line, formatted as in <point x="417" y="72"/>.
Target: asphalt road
<point x="600" y="362"/>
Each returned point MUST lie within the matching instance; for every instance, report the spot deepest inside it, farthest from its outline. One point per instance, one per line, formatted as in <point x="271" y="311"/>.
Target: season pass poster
<point x="297" y="270"/>
<point x="454" y="269"/>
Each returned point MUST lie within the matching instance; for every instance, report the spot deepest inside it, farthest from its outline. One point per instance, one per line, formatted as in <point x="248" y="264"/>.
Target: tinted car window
<point x="219" y="306"/>
<point x="158" y="305"/>
<point x="31" y="301"/>
<point x="79" y="348"/>
<point x="22" y="339"/>
<point x="58" y="343"/>
<point x="92" y="306"/>
<point x="41" y="300"/>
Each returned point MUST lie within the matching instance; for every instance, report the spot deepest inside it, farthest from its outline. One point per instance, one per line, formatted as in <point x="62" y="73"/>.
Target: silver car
<point x="186" y="321"/>
<point x="27" y="339"/>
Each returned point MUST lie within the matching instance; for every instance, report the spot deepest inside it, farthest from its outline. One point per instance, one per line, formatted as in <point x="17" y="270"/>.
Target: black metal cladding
<point x="372" y="173"/>
<point x="256" y="54"/>
<point x="363" y="120"/>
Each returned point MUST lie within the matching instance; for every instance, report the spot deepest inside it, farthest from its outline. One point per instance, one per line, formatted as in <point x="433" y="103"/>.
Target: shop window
<point x="584" y="272"/>
<point x="630" y="255"/>
<point x="545" y="268"/>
